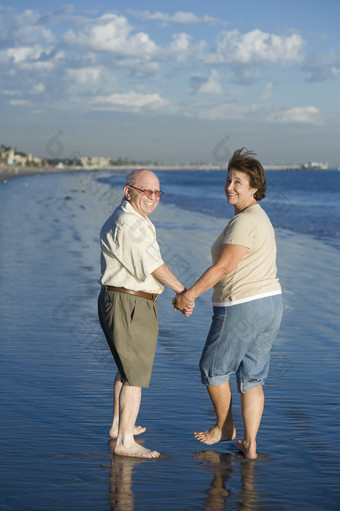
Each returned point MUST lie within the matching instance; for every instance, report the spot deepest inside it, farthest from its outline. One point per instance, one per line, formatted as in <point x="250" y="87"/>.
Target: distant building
<point x="9" y="156"/>
<point x="315" y="165"/>
<point x="101" y="162"/>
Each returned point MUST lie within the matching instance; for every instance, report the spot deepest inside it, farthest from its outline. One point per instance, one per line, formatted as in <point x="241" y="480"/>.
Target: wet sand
<point x="56" y="371"/>
<point x="7" y="173"/>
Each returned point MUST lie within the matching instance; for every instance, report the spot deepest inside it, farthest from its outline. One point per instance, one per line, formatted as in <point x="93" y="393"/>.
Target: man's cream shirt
<point x="129" y="251"/>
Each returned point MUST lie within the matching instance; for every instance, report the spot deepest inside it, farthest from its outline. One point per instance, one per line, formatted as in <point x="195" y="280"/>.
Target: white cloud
<point x="180" y="43"/>
<point x="33" y="59"/>
<point x="18" y="102"/>
<point x="224" y="111"/>
<point x="212" y="84"/>
<point x="180" y="17"/>
<point x="39" y="88"/>
<point x="20" y="55"/>
<point x="12" y="92"/>
<point x="75" y="61"/>
<point x="22" y="28"/>
<point x="111" y="33"/>
<point x="304" y="114"/>
<point x="85" y="75"/>
<point x="180" y="47"/>
<point x="40" y="66"/>
<point x="132" y="101"/>
<point x="255" y="47"/>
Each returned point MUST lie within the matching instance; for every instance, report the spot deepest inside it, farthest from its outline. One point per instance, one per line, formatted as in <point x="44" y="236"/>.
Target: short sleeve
<point x="240" y="231"/>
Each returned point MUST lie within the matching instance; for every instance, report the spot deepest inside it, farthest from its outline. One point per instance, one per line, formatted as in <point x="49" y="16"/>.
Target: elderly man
<point x="133" y="274"/>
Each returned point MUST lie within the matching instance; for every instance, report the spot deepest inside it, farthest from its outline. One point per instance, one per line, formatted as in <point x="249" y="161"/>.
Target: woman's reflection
<point x="222" y="465"/>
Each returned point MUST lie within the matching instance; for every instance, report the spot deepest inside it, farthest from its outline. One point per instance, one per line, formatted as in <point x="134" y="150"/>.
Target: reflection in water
<point x="121" y="497"/>
<point x="222" y="465"/>
<point x="249" y="498"/>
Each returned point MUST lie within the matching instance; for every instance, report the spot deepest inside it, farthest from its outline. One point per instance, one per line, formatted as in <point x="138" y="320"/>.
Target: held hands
<point x="183" y="303"/>
<point x="188" y="310"/>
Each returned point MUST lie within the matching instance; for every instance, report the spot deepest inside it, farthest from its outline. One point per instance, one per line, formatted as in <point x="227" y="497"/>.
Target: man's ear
<point x="127" y="192"/>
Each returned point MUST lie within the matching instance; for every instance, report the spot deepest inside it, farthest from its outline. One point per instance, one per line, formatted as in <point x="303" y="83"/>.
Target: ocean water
<point x="56" y="371"/>
<point x="302" y="201"/>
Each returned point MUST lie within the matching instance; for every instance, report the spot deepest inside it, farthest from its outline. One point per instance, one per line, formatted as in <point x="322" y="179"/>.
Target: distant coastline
<point x="9" y="172"/>
<point x="17" y="163"/>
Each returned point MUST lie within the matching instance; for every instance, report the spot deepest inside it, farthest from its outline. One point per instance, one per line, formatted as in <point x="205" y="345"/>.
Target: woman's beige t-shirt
<point x="256" y="274"/>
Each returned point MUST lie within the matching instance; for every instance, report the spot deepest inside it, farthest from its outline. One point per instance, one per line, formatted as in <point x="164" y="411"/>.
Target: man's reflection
<point x="120" y="488"/>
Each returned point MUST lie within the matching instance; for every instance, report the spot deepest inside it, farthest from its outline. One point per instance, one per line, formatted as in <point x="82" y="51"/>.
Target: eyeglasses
<point x="148" y="193"/>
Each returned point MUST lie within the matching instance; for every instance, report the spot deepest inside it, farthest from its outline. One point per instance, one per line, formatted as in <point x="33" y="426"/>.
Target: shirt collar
<point x="126" y="206"/>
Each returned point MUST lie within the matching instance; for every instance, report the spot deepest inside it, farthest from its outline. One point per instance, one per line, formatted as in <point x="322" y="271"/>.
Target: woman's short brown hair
<point x="244" y="161"/>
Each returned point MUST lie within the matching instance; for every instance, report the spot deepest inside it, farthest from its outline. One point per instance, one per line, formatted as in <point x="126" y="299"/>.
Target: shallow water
<point x="303" y="201"/>
<point x="56" y="371"/>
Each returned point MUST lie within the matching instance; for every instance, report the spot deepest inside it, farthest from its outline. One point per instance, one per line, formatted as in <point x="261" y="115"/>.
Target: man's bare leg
<point x="130" y="398"/>
<point x="224" y="428"/>
<point x="252" y="404"/>
<point x="117" y="387"/>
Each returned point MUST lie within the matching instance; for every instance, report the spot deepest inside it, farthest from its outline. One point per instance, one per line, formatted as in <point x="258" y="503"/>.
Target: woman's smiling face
<point x="238" y="190"/>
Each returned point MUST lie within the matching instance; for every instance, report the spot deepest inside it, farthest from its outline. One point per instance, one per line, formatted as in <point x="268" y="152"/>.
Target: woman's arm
<point x="230" y="256"/>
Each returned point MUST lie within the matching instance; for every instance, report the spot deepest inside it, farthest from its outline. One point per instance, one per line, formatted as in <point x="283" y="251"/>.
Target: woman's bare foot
<point x="216" y="434"/>
<point x="138" y="430"/>
<point x="248" y="450"/>
<point x="212" y="457"/>
<point x="134" y="450"/>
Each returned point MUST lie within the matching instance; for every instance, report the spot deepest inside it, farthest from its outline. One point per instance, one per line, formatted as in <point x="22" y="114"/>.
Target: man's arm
<point x="166" y="277"/>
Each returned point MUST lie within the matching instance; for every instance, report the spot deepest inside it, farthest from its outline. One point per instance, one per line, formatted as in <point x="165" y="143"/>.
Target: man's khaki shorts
<point x="130" y="325"/>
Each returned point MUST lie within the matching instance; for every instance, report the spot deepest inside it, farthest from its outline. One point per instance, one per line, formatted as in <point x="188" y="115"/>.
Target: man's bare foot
<point x="216" y="434"/>
<point x="248" y="450"/>
<point x="138" y="430"/>
<point x="135" y="450"/>
<point x="113" y="442"/>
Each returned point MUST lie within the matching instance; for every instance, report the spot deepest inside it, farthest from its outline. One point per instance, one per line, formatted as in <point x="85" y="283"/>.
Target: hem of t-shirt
<point x="248" y="299"/>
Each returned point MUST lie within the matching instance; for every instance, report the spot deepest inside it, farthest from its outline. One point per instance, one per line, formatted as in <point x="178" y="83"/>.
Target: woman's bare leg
<point x="252" y="404"/>
<point x="224" y="428"/>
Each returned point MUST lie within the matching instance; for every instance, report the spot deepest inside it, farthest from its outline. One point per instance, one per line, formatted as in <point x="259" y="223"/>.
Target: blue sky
<point x="175" y="82"/>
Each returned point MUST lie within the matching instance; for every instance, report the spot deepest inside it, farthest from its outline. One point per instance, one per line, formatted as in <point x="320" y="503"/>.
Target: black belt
<point x="142" y="294"/>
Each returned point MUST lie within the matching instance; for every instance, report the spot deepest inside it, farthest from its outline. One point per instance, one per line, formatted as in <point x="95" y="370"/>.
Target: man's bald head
<point x="138" y="175"/>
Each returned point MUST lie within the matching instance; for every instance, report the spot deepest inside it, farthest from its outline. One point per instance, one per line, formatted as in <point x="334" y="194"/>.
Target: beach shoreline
<point x="58" y="371"/>
<point x="7" y="173"/>
<point x="11" y="172"/>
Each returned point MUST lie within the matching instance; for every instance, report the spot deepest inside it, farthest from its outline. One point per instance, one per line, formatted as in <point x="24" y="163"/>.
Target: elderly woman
<point x="247" y="306"/>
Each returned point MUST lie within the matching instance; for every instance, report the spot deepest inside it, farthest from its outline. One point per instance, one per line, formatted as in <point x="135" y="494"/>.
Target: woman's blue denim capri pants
<point x="239" y="342"/>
